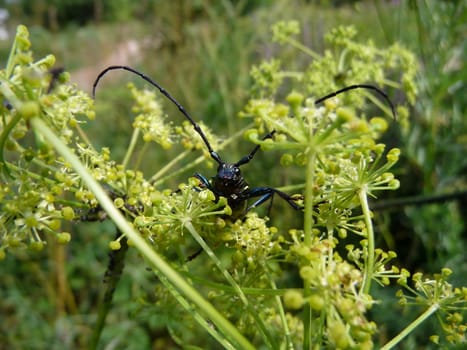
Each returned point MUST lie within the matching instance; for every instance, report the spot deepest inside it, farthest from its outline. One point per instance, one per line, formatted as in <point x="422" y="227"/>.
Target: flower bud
<point x="295" y="99"/>
<point x="36" y="246"/>
<point x="68" y="213"/>
<point x="115" y="245"/>
<point x="49" y="61"/>
<point x="307" y="273"/>
<point x="393" y="155"/>
<point x="344" y="115"/>
<point x="286" y="159"/>
<point x="316" y="302"/>
<point x="394" y="184"/>
<point x="63" y="237"/>
<point x="379" y="124"/>
<point x="293" y="299"/>
<point x="119" y="203"/>
<point x="29" y="109"/>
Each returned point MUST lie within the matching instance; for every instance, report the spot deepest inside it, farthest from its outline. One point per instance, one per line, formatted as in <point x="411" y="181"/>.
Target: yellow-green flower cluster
<point x="191" y="140"/>
<point x="163" y="223"/>
<point x="253" y="241"/>
<point x="150" y="118"/>
<point x="440" y="297"/>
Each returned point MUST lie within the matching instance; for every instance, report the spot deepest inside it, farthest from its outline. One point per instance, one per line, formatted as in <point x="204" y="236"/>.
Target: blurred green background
<point x="202" y="51"/>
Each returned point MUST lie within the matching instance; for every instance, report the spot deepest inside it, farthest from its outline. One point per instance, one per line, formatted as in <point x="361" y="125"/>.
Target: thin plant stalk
<point x="156" y="261"/>
<point x="280" y="308"/>
<point x="254" y="313"/>
<point x="131" y="147"/>
<point x="410" y="328"/>
<point x="194" y="312"/>
<point x="157" y="178"/>
<point x="308" y="225"/>
<point x="370" y="246"/>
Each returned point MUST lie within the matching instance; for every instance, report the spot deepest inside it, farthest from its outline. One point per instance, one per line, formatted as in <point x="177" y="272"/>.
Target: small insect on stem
<point x="228" y="181"/>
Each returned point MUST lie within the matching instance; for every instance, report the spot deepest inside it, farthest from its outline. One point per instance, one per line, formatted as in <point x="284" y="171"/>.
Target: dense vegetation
<point x="331" y="275"/>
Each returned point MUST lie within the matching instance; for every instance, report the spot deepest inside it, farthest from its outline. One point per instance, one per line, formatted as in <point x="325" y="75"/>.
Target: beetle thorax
<point x="228" y="180"/>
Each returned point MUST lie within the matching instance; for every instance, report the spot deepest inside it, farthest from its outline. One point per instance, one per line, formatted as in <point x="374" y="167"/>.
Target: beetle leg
<point x="250" y="156"/>
<point x="204" y="182"/>
<point x="261" y="200"/>
<point x="266" y="193"/>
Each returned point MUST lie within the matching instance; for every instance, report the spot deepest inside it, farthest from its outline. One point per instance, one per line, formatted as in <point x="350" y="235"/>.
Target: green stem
<point x="290" y="188"/>
<point x="254" y="313"/>
<point x="370" y="247"/>
<point x="11" y="62"/>
<point x="379" y="104"/>
<point x="167" y="167"/>
<point x="131" y="147"/>
<point x="11" y="97"/>
<point x="230" y="290"/>
<point x="305" y="49"/>
<point x="391" y="83"/>
<point x="308" y="219"/>
<point x="307" y="321"/>
<point x="342" y="58"/>
<point x="3" y="140"/>
<point x="308" y="226"/>
<point x="194" y="312"/>
<point x="141" y="156"/>
<point x="290" y="74"/>
<point x="156" y="178"/>
<point x="407" y="330"/>
<point x="189" y="226"/>
<point x="155" y="260"/>
<point x="280" y="307"/>
<point x="175" y="173"/>
<point x="402" y="202"/>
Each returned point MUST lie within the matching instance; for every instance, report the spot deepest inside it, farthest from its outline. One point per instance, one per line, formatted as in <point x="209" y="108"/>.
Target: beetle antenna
<point x="360" y="86"/>
<point x="164" y="92"/>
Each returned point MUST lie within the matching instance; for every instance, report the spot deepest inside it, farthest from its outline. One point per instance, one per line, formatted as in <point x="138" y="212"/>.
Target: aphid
<point x="228" y="181"/>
